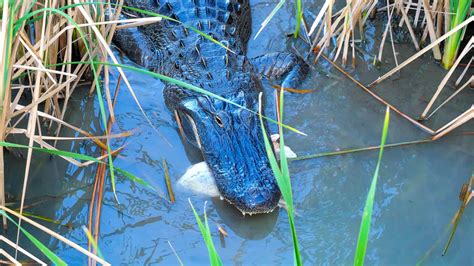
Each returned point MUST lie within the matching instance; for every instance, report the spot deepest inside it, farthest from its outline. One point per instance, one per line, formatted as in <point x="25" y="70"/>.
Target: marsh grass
<point x="7" y="212"/>
<point x="433" y="18"/>
<point x="214" y="258"/>
<point x="459" y="10"/>
<point x="37" y="41"/>
<point x="465" y="196"/>
<point x="282" y="173"/>
<point x="340" y="26"/>
<point x="45" y="250"/>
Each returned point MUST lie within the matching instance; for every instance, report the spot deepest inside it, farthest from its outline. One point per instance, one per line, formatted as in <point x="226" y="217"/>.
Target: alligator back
<point x="189" y="56"/>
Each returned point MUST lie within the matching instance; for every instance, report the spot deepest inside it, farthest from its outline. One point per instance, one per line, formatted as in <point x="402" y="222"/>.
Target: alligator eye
<point x="219" y="121"/>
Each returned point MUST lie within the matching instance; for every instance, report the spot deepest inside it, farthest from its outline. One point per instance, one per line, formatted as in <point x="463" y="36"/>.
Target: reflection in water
<point x="252" y="227"/>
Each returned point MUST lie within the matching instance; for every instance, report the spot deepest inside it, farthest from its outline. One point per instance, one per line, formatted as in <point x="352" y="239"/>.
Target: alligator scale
<point x="229" y="137"/>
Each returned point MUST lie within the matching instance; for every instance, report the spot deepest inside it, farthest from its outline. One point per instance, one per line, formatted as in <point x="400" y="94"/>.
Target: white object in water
<point x="198" y="179"/>
<point x="276" y="146"/>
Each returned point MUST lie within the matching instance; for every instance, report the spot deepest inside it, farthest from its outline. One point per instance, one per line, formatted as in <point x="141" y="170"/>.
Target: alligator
<point x="229" y="137"/>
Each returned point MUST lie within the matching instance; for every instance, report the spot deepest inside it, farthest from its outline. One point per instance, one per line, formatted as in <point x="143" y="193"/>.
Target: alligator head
<point x="232" y="144"/>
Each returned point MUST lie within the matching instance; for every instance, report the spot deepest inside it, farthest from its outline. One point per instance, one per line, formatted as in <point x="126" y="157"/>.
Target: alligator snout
<point x="260" y="199"/>
<point x="251" y="185"/>
<point x="232" y="144"/>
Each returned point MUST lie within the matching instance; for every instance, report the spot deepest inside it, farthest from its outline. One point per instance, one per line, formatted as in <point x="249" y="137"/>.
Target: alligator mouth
<point x="252" y="212"/>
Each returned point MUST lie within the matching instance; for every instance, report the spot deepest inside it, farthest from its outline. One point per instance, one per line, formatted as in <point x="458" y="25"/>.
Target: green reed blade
<point x="269" y="17"/>
<point x="77" y="156"/>
<point x="282" y="176"/>
<point x="299" y="17"/>
<point x="93" y="242"/>
<point x="45" y="250"/>
<point x="185" y="85"/>
<point x="459" y="11"/>
<point x="206" y="234"/>
<point x="363" y="238"/>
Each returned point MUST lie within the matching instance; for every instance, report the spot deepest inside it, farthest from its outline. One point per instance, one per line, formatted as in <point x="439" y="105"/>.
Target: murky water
<point x="417" y="193"/>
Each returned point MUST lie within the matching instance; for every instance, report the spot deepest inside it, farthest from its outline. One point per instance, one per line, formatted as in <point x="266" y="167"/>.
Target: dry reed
<point x="46" y="50"/>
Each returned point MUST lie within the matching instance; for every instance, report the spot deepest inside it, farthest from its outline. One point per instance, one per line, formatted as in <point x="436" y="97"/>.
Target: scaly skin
<point x="229" y="137"/>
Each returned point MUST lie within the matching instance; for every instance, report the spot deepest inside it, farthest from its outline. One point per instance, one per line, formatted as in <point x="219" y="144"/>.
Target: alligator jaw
<point x="198" y="179"/>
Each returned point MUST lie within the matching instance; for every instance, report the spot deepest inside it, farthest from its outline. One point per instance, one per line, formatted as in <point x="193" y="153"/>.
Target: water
<point x="416" y="198"/>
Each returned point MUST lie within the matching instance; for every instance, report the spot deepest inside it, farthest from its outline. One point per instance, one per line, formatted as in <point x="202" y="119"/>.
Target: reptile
<point x="230" y="138"/>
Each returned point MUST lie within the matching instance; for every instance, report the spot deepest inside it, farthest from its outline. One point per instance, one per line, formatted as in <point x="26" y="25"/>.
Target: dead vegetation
<point x="442" y="22"/>
<point x="47" y="49"/>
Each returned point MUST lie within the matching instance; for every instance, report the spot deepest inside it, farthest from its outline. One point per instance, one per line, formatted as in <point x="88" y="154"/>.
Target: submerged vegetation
<point x="48" y="49"/>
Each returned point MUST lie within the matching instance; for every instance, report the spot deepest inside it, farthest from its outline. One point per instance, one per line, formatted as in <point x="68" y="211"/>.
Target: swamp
<point x="96" y="168"/>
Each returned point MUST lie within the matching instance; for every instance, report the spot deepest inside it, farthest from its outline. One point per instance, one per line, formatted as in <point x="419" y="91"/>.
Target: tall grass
<point x="364" y="230"/>
<point x="282" y="175"/>
<point x="38" y="40"/>
<point x="342" y="24"/>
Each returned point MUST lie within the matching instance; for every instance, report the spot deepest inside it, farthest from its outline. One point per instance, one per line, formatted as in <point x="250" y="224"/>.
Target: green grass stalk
<point x="206" y="234"/>
<point x="78" y="156"/>
<point x="282" y="175"/>
<point x="299" y="17"/>
<point x="459" y="10"/>
<point x="186" y="86"/>
<point x="371" y="148"/>
<point x="364" y="230"/>
<point x="93" y="242"/>
<point x="46" y="251"/>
